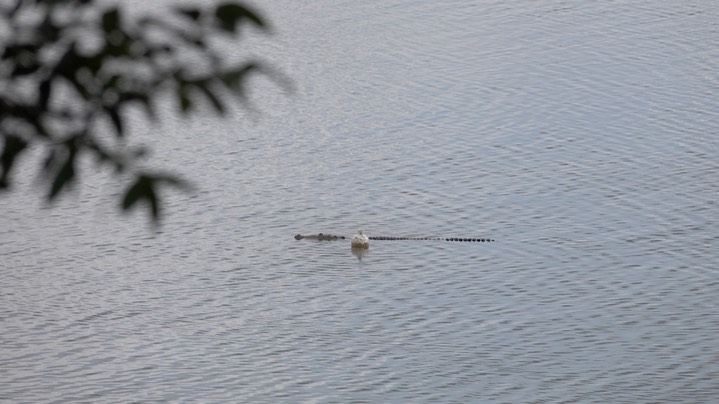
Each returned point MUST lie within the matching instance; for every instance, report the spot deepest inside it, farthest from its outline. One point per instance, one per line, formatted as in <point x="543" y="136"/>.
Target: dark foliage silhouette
<point x="69" y="68"/>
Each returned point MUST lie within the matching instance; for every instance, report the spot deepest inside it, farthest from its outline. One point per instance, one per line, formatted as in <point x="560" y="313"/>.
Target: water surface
<point x="582" y="137"/>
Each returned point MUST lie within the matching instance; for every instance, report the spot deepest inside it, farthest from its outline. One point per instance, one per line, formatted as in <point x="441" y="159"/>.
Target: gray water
<point x="581" y="136"/>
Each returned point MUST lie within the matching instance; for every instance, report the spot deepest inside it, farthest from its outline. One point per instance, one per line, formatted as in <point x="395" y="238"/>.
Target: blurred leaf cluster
<point x="71" y="67"/>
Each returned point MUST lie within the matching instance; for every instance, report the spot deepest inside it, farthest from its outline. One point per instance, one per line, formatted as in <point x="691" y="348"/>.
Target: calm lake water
<point x="581" y="136"/>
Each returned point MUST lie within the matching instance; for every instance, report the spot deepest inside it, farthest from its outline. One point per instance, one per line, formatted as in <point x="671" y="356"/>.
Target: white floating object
<point x="360" y="240"/>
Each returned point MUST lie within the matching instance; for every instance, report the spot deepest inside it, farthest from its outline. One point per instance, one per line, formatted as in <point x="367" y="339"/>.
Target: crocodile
<point x="320" y="237"/>
<point x="331" y="237"/>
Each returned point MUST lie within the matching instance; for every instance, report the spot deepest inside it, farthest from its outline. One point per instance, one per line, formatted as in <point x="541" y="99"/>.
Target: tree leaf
<point x="183" y="97"/>
<point x="154" y="200"/>
<point x="69" y="63"/>
<point x="190" y="12"/>
<point x="234" y="79"/>
<point x="144" y="188"/>
<point x="111" y="20"/>
<point x="49" y="31"/>
<point x="64" y="176"/>
<point x="18" y="51"/>
<point x="140" y="189"/>
<point x="22" y="57"/>
<point x="25" y="69"/>
<point x="49" y="160"/>
<point x="229" y="15"/>
<point x="214" y="100"/>
<point x="13" y="146"/>
<point x="142" y="98"/>
<point x="114" y="114"/>
<point x="44" y="90"/>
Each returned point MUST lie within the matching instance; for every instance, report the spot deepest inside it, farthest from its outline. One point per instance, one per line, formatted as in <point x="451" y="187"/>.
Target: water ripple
<point x="582" y="137"/>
